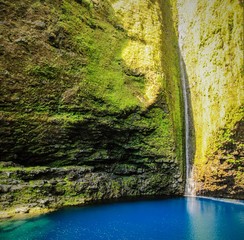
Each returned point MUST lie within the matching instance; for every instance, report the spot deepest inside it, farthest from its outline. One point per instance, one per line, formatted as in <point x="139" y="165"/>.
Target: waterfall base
<point x="190" y="187"/>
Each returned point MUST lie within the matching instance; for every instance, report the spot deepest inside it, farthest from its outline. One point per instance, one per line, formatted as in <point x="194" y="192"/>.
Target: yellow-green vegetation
<point x="90" y="83"/>
<point x="91" y="66"/>
<point x="36" y="190"/>
<point x="170" y="65"/>
<point x="152" y="51"/>
<point x="212" y="38"/>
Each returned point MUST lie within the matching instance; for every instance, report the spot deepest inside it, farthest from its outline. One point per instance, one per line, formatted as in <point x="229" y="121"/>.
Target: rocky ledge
<point x="26" y="191"/>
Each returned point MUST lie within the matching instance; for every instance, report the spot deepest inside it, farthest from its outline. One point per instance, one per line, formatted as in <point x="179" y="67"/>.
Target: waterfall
<point x="190" y="185"/>
<point x="183" y="27"/>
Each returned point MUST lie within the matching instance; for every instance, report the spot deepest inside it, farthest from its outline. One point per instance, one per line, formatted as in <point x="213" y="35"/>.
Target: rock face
<point x="23" y="190"/>
<point x="211" y="34"/>
<point x="90" y="91"/>
<point x="91" y="104"/>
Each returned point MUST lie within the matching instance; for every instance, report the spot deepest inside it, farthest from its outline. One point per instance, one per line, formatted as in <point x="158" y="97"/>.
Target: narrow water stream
<point x="190" y="185"/>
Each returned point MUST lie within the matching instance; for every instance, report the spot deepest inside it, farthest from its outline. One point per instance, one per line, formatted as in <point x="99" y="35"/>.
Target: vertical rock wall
<point x="91" y="105"/>
<point x="152" y="51"/>
<point x="211" y="33"/>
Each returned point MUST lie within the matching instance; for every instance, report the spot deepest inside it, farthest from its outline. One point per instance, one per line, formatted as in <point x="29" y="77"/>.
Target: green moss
<point x="44" y="72"/>
<point x="171" y="67"/>
<point x="73" y="98"/>
<point x="116" y="188"/>
<point x="104" y="78"/>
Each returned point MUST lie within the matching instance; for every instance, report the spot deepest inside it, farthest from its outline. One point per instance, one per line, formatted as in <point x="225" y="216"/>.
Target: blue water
<point x="179" y="219"/>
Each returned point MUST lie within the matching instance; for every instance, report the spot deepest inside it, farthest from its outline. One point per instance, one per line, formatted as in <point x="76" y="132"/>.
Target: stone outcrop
<point x="91" y="106"/>
<point x="211" y="34"/>
<point x="94" y="85"/>
<point x="24" y="190"/>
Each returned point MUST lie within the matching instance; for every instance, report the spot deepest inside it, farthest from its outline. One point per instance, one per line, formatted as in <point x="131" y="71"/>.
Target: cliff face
<point x="211" y="35"/>
<point x="90" y="103"/>
<point x="91" y="84"/>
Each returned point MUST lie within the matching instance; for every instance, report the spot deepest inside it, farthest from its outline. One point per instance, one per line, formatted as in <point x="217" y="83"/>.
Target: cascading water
<point x="190" y="185"/>
<point x="183" y="27"/>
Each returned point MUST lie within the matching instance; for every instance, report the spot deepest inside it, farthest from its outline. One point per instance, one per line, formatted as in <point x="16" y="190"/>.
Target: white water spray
<point x="190" y="184"/>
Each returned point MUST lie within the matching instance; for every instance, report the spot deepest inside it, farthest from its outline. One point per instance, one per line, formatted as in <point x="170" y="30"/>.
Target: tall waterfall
<point x="190" y="185"/>
<point x="183" y="27"/>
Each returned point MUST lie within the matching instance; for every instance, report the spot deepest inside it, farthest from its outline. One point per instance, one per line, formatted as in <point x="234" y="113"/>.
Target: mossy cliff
<point x="90" y="91"/>
<point x="211" y="34"/>
<point x="91" y="107"/>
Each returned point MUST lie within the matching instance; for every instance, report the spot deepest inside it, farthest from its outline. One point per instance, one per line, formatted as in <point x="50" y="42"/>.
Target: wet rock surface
<point x="80" y="123"/>
<point x="50" y="188"/>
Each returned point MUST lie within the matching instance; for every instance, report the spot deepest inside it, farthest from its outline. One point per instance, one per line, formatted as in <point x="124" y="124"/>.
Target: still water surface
<point x="169" y="219"/>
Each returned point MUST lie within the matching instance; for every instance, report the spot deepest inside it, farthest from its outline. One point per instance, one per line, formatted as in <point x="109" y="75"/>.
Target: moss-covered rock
<point x="211" y="34"/>
<point x="45" y="188"/>
<point x="89" y="83"/>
